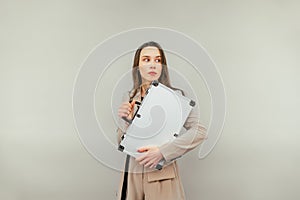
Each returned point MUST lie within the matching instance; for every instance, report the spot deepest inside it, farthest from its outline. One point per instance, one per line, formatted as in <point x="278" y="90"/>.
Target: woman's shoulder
<point x="179" y="91"/>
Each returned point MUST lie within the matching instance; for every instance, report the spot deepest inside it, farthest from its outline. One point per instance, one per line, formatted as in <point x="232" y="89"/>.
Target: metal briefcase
<point x="158" y="120"/>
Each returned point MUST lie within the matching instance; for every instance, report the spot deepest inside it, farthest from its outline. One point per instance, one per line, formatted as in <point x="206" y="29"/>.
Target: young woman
<point x="141" y="181"/>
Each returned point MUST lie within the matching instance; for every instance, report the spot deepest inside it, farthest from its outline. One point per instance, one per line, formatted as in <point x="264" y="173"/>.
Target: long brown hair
<point x="136" y="76"/>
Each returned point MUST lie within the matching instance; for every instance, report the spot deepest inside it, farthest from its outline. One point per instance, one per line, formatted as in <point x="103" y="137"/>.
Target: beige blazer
<point x="194" y="135"/>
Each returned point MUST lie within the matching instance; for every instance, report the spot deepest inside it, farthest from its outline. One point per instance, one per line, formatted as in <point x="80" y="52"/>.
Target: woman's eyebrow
<point x="158" y="56"/>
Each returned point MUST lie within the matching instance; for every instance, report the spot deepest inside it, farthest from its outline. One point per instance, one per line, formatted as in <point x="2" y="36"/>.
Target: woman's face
<point x="150" y="64"/>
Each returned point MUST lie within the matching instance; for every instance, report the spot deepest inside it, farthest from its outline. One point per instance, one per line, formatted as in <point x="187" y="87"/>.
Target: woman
<point x="142" y="182"/>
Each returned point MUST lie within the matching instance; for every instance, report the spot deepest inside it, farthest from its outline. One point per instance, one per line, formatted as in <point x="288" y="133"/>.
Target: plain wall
<point x="253" y="43"/>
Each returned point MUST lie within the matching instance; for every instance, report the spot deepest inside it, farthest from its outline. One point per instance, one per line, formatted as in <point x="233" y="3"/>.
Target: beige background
<point x="255" y="45"/>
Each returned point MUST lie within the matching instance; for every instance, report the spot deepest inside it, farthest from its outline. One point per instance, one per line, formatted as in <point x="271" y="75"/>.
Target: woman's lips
<point x="152" y="73"/>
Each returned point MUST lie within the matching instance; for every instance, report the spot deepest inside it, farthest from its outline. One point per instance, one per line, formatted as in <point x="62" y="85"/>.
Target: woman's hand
<point x="126" y="110"/>
<point x="151" y="157"/>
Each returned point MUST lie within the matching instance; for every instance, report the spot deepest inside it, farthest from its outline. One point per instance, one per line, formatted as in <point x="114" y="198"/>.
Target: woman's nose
<point x="153" y="65"/>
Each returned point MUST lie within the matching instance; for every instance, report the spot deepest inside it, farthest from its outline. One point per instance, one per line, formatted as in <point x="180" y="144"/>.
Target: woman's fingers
<point x="151" y="156"/>
<point x="126" y="109"/>
<point x="143" y="149"/>
<point x="143" y="160"/>
<point x="149" y="162"/>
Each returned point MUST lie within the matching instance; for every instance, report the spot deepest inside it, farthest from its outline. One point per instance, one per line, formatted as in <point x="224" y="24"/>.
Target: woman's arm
<point x="125" y="110"/>
<point x="195" y="135"/>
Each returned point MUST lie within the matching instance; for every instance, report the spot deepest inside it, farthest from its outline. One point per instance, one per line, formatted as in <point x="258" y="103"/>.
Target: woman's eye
<point x="157" y="60"/>
<point x="146" y="59"/>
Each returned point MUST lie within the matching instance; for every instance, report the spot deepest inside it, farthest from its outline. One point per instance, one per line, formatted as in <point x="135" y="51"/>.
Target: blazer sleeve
<point x="195" y="135"/>
<point x="122" y="125"/>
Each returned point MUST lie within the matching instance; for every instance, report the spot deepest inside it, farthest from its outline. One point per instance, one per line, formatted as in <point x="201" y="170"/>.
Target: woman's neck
<point x="144" y="88"/>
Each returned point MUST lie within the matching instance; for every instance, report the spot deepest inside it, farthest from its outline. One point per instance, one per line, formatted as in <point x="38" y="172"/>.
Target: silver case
<point x="158" y="120"/>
